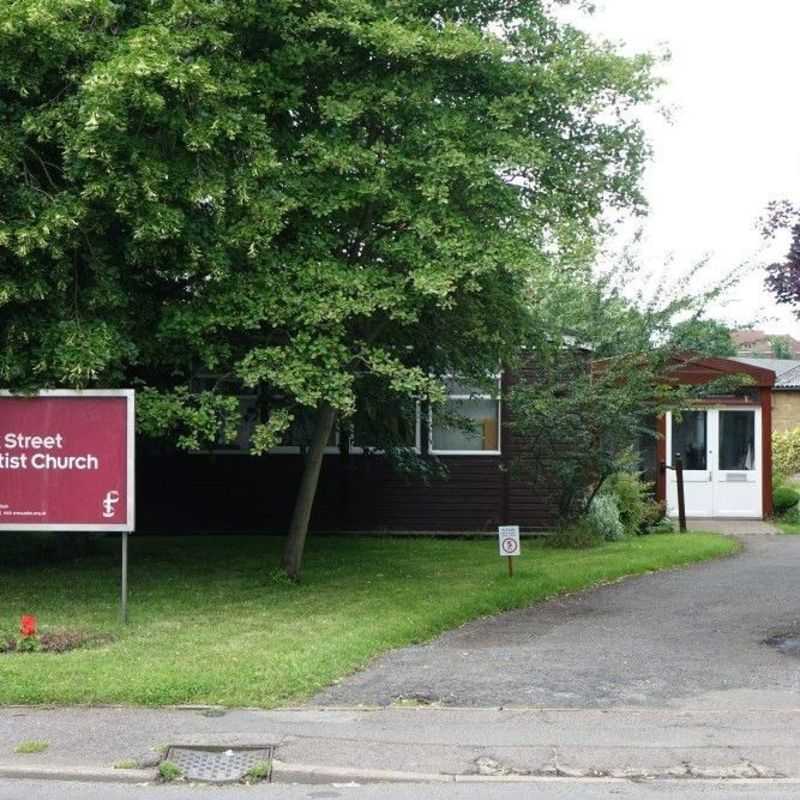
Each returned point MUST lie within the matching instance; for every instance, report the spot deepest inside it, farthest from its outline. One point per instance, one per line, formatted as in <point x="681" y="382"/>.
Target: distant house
<point x="785" y="392"/>
<point x="759" y="344"/>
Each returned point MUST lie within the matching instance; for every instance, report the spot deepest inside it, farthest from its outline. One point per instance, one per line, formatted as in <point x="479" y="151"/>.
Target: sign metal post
<point x="124" y="598"/>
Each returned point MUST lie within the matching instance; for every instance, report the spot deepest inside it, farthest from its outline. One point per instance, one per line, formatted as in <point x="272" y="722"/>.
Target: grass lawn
<point x="787" y="527"/>
<point x="788" y="522"/>
<point x="213" y="621"/>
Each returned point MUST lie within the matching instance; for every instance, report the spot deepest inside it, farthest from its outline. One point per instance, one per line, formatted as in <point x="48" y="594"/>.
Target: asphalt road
<point x="563" y="790"/>
<point x="680" y="637"/>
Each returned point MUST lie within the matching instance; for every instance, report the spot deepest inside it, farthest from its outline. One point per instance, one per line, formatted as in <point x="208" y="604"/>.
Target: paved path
<point x="732" y="527"/>
<point x="692" y="637"/>
<point x="623" y="743"/>
<point x="562" y="790"/>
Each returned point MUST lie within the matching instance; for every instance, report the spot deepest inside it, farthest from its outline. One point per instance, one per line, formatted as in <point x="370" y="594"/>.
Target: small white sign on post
<point x="508" y="536"/>
<point x="509" y="540"/>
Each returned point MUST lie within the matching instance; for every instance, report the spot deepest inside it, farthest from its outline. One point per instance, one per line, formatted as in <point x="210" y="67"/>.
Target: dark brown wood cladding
<point x="205" y="493"/>
<point x="185" y="493"/>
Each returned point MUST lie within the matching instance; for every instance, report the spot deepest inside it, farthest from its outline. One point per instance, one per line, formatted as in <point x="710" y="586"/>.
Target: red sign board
<point x="66" y="461"/>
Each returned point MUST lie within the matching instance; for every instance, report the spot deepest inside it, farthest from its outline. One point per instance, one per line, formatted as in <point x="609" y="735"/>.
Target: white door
<point x="721" y="452"/>
<point x="690" y="436"/>
<point x="737" y="476"/>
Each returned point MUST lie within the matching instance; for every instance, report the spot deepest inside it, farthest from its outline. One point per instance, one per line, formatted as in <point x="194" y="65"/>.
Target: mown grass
<point x="789" y="521"/>
<point x="786" y="526"/>
<point x="213" y="621"/>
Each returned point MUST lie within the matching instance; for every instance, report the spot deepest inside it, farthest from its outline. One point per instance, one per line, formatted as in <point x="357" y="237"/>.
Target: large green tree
<point x="604" y="358"/>
<point x="306" y="196"/>
<point x="705" y="336"/>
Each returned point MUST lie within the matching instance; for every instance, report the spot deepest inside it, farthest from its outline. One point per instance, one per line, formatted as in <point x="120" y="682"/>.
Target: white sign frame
<point x="508" y="536"/>
<point x="130" y="425"/>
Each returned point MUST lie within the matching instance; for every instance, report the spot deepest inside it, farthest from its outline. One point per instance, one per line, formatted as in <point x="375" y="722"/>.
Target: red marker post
<point x="67" y="464"/>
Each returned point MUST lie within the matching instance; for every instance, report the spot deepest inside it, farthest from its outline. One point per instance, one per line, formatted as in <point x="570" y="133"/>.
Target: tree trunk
<point x="298" y="529"/>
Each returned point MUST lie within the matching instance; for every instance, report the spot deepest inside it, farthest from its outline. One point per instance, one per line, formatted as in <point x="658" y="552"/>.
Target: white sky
<point x="734" y="140"/>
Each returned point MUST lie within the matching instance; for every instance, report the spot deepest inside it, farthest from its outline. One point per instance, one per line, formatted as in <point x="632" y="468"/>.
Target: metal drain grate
<point x="218" y="764"/>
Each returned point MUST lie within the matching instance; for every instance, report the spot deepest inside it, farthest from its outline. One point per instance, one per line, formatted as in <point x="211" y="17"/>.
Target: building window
<point x="300" y="433"/>
<point x="737" y="440"/>
<point x="295" y="439"/>
<point x="248" y="411"/>
<point x="689" y="436"/>
<point x="399" y="428"/>
<point x="468" y="423"/>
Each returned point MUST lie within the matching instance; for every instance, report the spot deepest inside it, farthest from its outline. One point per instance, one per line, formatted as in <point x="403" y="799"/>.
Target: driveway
<point x="692" y="638"/>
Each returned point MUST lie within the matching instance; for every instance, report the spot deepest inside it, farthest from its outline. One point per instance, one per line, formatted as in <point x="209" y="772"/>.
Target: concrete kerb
<point x="308" y="774"/>
<point x="311" y="774"/>
<point x="77" y="774"/>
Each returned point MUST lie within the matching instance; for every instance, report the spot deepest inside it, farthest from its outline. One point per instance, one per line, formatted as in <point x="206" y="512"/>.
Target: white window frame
<point x="498" y="399"/>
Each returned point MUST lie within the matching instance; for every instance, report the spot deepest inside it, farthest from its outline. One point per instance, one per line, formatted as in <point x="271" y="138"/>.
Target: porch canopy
<point x="724" y="440"/>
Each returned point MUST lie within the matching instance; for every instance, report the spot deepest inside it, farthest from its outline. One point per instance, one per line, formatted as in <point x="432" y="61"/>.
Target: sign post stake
<point x="681" y="493"/>
<point x="508" y="536"/>
<point x="124" y="603"/>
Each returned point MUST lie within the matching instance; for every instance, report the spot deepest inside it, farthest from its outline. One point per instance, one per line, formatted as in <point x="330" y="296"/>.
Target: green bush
<point x="604" y="517"/>
<point x="655" y="518"/>
<point x="784" y="498"/>
<point x="664" y="525"/>
<point x="633" y="498"/>
<point x="638" y="511"/>
<point x="785" y="453"/>
<point x="792" y="516"/>
<point x="577" y="535"/>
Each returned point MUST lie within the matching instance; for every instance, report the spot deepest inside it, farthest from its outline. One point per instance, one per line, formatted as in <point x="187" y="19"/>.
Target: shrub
<point x="577" y="535"/>
<point x="784" y="498"/>
<point x="638" y="511"/>
<point x="604" y="516"/>
<point x="792" y="515"/>
<point x="786" y="453"/>
<point x="664" y="525"/>
<point x="632" y="495"/>
<point x="655" y="517"/>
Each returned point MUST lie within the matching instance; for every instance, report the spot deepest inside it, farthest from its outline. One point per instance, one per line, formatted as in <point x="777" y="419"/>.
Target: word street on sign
<point x="66" y="461"/>
<point x="509" y="540"/>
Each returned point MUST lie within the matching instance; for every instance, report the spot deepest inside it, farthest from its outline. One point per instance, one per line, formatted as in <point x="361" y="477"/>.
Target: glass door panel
<point x="737" y="440"/>
<point x="690" y="439"/>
